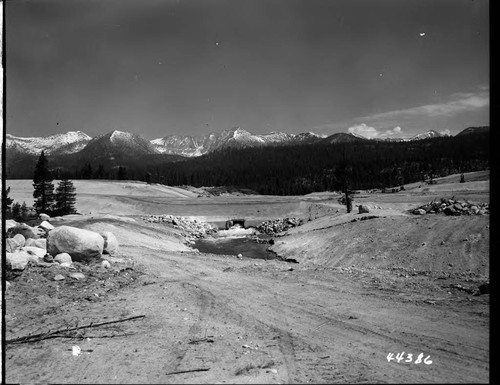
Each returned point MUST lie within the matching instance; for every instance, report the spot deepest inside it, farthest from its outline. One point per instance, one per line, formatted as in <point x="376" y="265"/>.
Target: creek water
<point x="233" y="245"/>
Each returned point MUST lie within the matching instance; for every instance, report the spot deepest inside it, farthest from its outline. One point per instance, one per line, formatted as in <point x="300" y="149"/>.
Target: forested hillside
<point x="319" y="167"/>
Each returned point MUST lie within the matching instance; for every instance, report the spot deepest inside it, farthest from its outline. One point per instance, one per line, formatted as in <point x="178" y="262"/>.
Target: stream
<point x="235" y="241"/>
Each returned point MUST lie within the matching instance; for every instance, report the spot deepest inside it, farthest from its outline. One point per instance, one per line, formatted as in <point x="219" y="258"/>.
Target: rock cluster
<point x="195" y="227"/>
<point x="279" y="225"/>
<point x="452" y="207"/>
<point x="45" y="244"/>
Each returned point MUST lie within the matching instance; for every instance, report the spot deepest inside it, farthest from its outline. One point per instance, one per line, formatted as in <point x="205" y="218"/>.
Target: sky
<point x="379" y="68"/>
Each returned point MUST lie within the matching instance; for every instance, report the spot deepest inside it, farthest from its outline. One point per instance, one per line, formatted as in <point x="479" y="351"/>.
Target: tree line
<point x="297" y="170"/>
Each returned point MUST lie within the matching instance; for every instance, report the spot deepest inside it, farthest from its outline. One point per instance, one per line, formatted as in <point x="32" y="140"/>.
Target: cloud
<point x="451" y="114"/>
<point x="363" y="130"/>
<point x="458" y="103"/>
<point x="445" y="132"/>
<point x="371" y="132"/>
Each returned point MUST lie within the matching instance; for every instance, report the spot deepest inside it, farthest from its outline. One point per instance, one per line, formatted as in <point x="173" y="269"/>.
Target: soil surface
<point x="362" y="289"/>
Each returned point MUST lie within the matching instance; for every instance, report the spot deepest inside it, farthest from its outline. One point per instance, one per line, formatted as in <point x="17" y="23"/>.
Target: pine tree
<point x="44" y="188"/>
<point x="65" y="197"/>
<point x="7" y="203"/>
<point x="24" y="210"/>
<point x="16" y="211"/>
<point x="122" y="173"/>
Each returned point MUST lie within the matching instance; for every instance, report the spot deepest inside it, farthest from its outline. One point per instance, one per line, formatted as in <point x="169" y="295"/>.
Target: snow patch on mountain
<point x="234" y="137"/>
<point x="119" y="136"/>
<point x="69" y="142"/>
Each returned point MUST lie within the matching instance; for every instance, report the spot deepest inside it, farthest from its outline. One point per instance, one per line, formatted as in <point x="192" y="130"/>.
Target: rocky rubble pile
<point x="45" y="245"/>
<point x="279" y="225"/>
<point x="195" y="227"/>
<point x="452" y="207"/>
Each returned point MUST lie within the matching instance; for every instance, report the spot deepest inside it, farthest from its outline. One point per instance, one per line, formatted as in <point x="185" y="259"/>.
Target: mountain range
<point x="118" y="144"/>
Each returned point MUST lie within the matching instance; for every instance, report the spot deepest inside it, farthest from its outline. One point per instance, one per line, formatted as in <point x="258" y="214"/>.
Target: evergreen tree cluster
<point x="61" y="202"/>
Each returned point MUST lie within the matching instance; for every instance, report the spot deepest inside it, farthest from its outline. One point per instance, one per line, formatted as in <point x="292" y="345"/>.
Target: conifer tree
<point x="24" y="210"/>
<point x="7" y="202"/>
<point x="16" y="211"/>
<point x="44" y="188"/>
<point x="65" y="197"/>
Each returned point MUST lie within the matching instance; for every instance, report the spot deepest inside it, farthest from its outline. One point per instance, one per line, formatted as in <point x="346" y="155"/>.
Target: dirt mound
<point x="430" y="243"/>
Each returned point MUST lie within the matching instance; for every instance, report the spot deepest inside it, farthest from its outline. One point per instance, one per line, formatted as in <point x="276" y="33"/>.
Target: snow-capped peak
<point x="120" y="135"/>
<point x="69" y="142"/>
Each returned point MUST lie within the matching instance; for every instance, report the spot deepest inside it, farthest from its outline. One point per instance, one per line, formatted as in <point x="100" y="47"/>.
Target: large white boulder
<point x="81" y="244"/>
<point x="110" y="243"/>
<point x="44" y="217"/>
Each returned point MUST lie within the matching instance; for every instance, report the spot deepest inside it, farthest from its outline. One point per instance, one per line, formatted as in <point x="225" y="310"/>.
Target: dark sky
<point x="161" y="67"/>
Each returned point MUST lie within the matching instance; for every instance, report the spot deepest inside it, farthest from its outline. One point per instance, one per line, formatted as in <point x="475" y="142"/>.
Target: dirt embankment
<point x="434" y="243"/>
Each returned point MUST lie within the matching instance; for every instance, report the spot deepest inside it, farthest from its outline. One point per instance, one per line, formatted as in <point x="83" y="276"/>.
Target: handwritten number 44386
<point x="409" y="358"/>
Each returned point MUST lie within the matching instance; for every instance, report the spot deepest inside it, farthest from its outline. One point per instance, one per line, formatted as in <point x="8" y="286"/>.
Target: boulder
<point x="46" y="226"/>
<point x="9" y="223"/>
<point x="110" y="243"/>
<point x="35" y="251"/>
<point x="62" y="258"/>
<point x="59" y="277"/>
<point x="44" y="217"/>
<point x="24" y="229"/>
<point x="11" y="245"/>
<point x="40" y="231"/>
<point x="41" y="243"/>
<point x="105" y="264"/>
<point x="419" y="212"/>
<point x="77" y="276"/>
<point x="81" y="244"/>
<point x="66" y="264"/>
<point x="17" y="260"/>
<point x="363" y="209"/>
<point x="19" y="238"/>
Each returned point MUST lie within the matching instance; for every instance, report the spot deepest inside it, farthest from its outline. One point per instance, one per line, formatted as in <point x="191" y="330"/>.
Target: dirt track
<point x="332" y="318"/>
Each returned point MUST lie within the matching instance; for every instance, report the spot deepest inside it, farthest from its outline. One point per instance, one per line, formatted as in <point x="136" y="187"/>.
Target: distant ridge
<point x="342" y="137"/>
<point x="475" y="130"/>
<point x="235" y="137"/>
<point x="121" y="145"/>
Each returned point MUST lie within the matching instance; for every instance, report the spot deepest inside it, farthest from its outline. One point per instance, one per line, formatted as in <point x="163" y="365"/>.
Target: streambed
<point x="236" y="241"/>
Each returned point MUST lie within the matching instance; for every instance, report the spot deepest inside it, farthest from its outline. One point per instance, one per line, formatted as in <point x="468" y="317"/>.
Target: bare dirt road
<point x="361" y="290"/>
